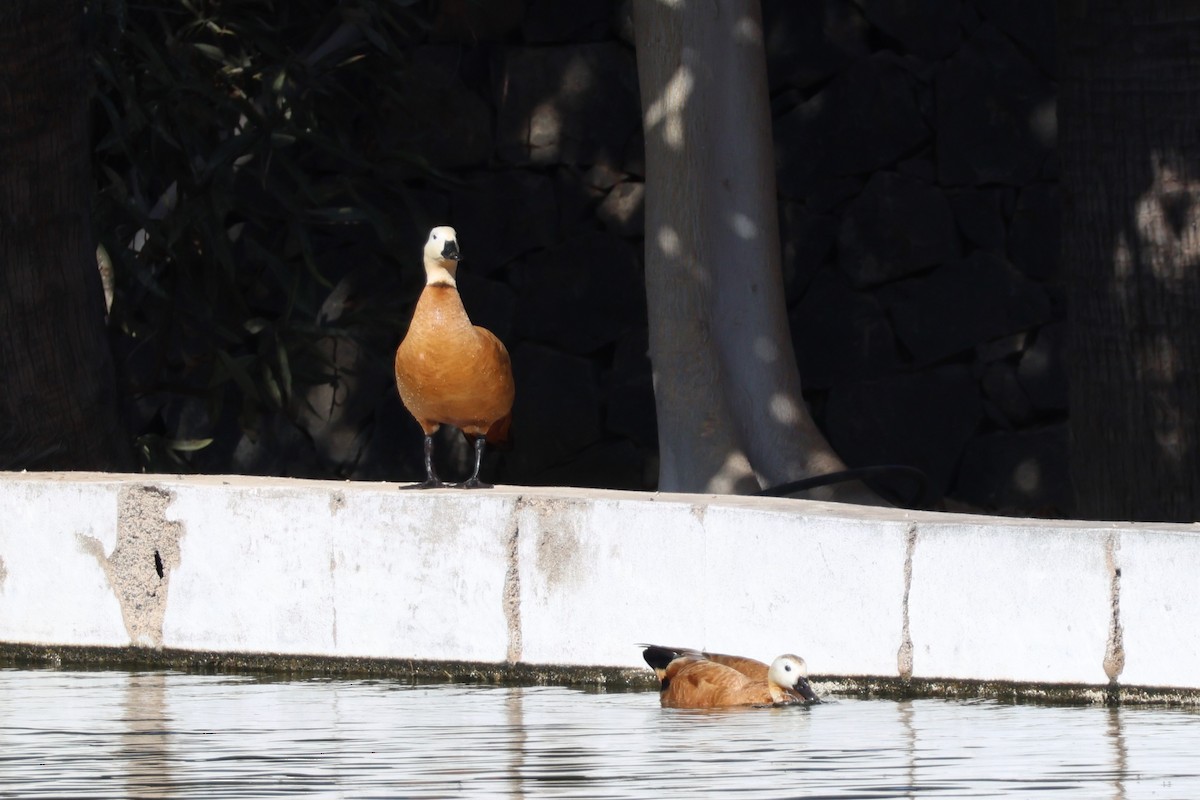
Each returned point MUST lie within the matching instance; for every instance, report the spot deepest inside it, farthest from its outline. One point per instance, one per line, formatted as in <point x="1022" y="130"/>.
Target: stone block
<point x="501" y="215"/>
<point x="990" y="98"/>
<point x="490" y="304"/>
<point x="865" y="119"/>
<point x="1009" y="405"/>
<point x="1043" y="368"/>
<point x="819" y="568"/>
<point x="808" y="41"/>
<point x="1012" y="344"/>
<point x="897" y="226"/>
<point x="437" y="118"/>
<point x="1159" y="606"/>
<point x="1009" y="603"/>
<point x="555" y="22"/>
<point x="471" y="22"/>
<point x="1032" y="23"/>
<point x="977" y="211"/>
<point x="326" y="567"/>
<point x="54" y="589"/>
<point x="406" y="232"/>
<point x="578" y="199"/>
<point x="840" y="335"/>
<point x="962" y="304"/>
<point x="603" y="566"/>
<point x="557" y="413"/>
<point x="623" y="210"/>
<point x="929" y="29"/>
<point x="618" y="464"/>
<point x="1017" y="472"/>
<point x="920" y="419"/>
<point x="629" y="391"/>
<point x="807" y="242"/>
<point x="575" y="104"/>
<point x="581" y="295"/>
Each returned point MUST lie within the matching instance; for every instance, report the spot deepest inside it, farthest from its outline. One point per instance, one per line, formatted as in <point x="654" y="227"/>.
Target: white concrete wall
<point x="579" y="577"/>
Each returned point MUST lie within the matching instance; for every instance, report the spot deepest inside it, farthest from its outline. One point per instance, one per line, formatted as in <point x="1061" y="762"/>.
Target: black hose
<point x="918" y="499"/>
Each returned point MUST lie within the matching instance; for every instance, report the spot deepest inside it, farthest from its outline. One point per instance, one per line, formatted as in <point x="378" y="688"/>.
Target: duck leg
<point x="431" y="479"/>
<point x="473" y="482"/>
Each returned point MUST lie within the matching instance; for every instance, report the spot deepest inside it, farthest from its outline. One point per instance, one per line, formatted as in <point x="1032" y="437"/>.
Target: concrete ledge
<point x="554" y="584"/>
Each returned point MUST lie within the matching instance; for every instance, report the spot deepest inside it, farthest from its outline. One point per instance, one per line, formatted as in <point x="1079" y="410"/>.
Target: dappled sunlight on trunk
<point x="731" y="414"/>
<point x="667" y="110"/>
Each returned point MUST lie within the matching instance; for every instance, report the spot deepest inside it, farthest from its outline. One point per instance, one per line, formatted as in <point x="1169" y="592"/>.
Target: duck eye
<point x="787" y="667"/>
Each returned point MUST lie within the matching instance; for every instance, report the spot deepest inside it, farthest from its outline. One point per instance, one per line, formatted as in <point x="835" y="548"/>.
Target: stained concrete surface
<point x="559" y="585"/>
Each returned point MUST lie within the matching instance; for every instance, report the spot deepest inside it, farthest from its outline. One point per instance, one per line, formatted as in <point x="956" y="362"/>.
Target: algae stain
<point x="562" y="550"/>
<point x="511" y="600"/>
<point x="139" y="568"/>
<point x="904" y="656"/>
<point x="1114" y="651"/>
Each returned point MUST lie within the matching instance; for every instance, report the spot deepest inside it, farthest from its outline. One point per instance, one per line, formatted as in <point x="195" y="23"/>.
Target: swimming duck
<point x="448" y="371"/>
<point x="695" y="679"/>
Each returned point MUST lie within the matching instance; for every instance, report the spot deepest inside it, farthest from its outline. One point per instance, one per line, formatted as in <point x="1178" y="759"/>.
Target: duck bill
<point x="803" y="690"/>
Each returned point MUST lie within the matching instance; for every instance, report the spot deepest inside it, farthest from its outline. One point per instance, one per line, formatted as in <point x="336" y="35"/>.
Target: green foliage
<point x="242" y="150"/>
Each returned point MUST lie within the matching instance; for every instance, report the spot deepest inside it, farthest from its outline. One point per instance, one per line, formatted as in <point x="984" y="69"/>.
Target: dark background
<point x="917" y="181"/>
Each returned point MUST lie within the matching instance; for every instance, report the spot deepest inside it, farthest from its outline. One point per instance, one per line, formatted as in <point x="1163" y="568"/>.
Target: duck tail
<point x="658" y="656"/>
<point x="500" y="435"/>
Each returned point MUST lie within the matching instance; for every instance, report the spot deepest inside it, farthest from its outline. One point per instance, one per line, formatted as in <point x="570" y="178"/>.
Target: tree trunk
<point x="731" y="417"/>
<point x="1131" y="251"/>
<point x="58" y="401"/>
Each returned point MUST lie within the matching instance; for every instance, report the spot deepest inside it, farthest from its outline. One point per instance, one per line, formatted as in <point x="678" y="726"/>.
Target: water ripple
<point x="172" y="735"/>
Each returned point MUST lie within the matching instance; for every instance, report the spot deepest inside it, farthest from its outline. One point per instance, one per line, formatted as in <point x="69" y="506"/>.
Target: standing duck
<point x="448" y="371"/>
<point x="694" y="679"/>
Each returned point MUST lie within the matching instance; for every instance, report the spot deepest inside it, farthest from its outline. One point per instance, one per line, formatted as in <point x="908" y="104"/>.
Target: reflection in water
<point x="904" y="708"/>
<point x="143" y="735"/>
<point x="514" y="716"/>
<point x="144" y="743"/>
<point x="1119" y="757"/>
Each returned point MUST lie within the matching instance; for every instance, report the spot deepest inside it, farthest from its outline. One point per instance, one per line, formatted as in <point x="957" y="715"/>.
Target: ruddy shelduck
<point x="448" y="371"/>
<point x="696" y="679"/>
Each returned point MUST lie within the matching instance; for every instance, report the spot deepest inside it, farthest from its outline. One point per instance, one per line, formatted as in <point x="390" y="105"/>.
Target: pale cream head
<point x="789" y="672"/>
<point x="441" y="255"/>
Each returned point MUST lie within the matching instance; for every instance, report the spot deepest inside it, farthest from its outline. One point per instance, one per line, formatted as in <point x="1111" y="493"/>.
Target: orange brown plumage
<point x="448" y="370"/>
<point x="695" y="679"/>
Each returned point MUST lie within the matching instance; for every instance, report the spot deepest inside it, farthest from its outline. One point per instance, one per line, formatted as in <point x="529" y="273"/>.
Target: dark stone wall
<point x="918" y="183"/>
<point x="917" y="187"/>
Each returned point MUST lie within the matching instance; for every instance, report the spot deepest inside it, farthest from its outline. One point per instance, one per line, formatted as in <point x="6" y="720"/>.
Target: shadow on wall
<point x="1136" y="282"/>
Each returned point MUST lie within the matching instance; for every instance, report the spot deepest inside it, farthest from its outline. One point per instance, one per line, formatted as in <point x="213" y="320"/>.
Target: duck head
<point x="441" y="255"/>
<point x="790" y="674"/>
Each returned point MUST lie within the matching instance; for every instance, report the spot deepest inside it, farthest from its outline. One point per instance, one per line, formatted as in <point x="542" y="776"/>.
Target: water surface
<point x="166" y="735"/>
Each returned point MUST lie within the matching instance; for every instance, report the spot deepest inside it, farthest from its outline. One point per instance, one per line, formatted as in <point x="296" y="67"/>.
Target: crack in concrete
<point x="139" y="568"/>
<point x="904" y="656"/>
<point x="1114" y="651"/>
<point x="333" y="579"/>
<point x="512" y="583"/>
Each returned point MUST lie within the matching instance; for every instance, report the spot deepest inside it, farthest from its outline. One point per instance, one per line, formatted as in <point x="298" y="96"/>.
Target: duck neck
<point x="440" y="272"/>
